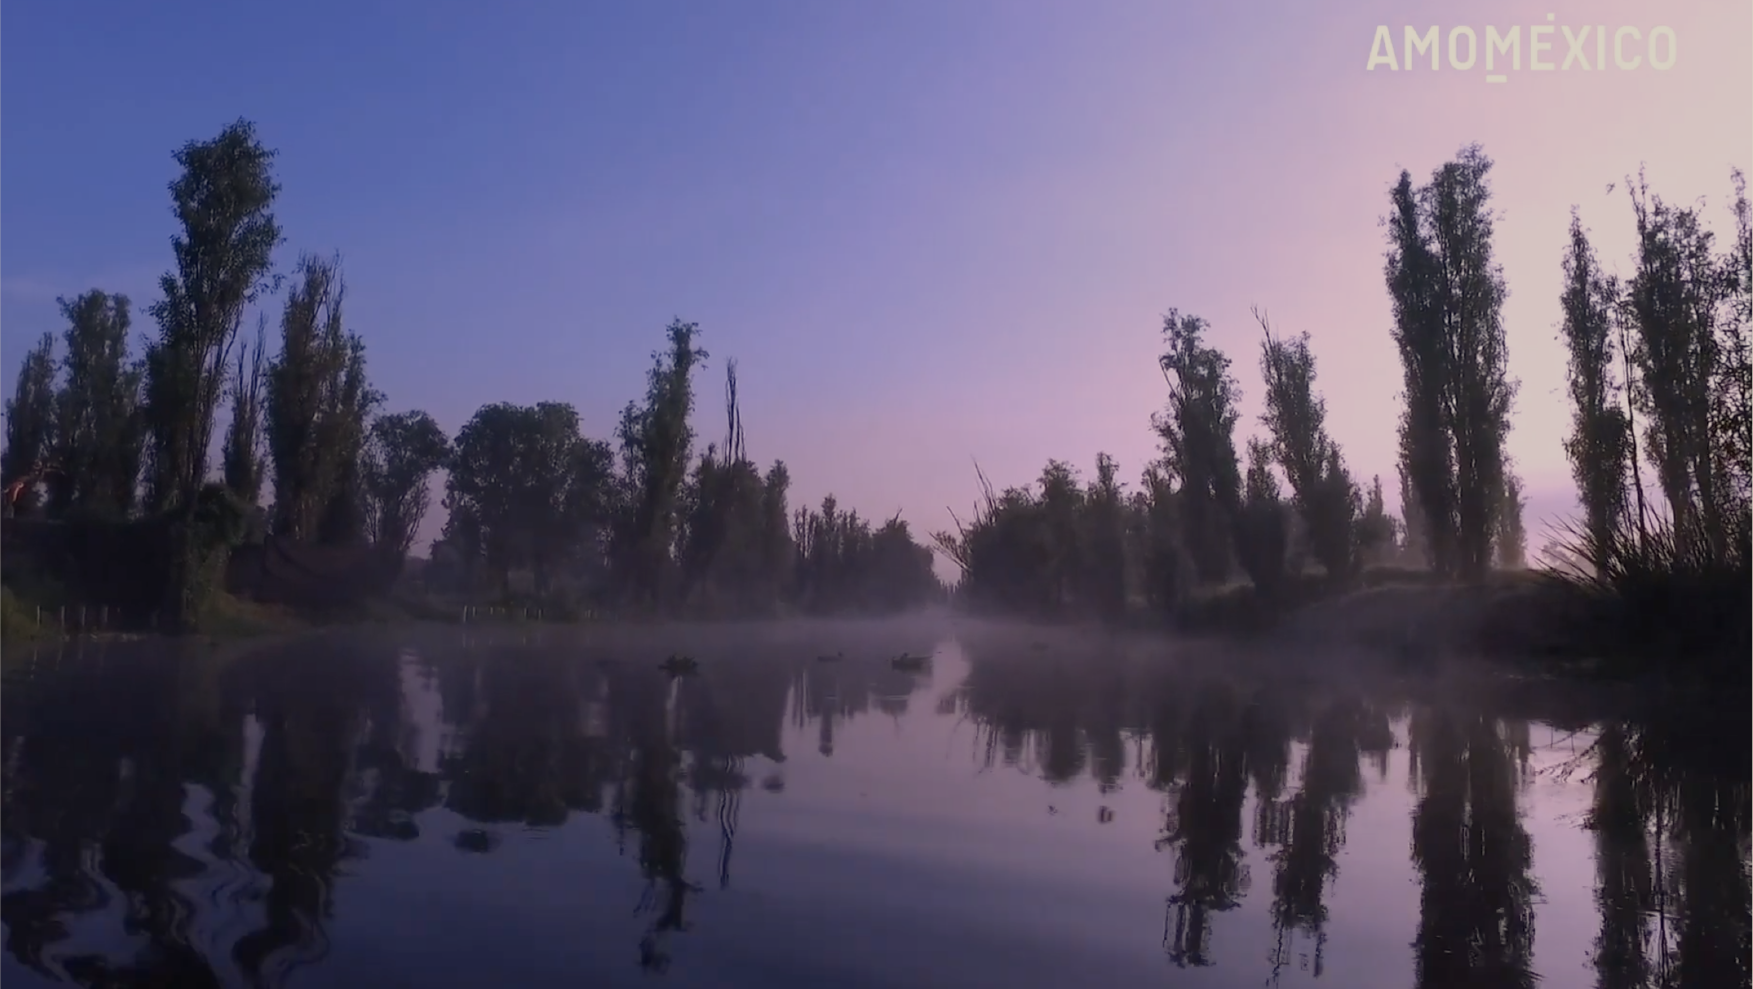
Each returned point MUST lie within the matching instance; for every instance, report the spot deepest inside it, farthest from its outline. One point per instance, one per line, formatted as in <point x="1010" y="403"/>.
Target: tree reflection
<point x="202" y="814"/>
<point x="1626" y="890"/>
<point x="1671" y="857"/>
<point x="1204" y="825"/>
<point x="317" y="709"/>
<point x="98" y="755"/>
<point x="1312" y="827"/>
<point x="1476" y="914"/>
<point x="654" y="810"/>
<point x="539" y="734"/>
<point x="525" y="757"/>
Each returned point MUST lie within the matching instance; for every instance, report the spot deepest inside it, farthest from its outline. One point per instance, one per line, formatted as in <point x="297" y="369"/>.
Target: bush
<point x="1669" y="599"/>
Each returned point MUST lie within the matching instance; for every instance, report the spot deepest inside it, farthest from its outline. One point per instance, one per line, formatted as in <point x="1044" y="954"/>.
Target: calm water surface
<point x="423" y="809"/>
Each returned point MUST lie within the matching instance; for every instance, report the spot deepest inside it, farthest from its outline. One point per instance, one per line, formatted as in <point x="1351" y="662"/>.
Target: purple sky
<point x="929" y="232"/>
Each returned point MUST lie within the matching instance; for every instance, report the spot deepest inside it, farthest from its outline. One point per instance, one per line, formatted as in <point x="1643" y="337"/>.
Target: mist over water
<point x="429" y="807"/>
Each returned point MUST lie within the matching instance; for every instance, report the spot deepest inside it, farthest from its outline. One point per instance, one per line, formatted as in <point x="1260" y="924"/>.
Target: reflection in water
<point x="1672" y="855"/>
<point x="1307" y="831"/>
<point x="171" y="818"/>
<point x="1476" y="919"/>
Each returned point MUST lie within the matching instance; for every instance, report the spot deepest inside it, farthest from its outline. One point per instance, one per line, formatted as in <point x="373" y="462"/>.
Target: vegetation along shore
<point x="310" y="507"/>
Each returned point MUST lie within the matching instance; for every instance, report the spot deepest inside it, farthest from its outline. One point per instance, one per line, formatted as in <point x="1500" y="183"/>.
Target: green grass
<point x="228" y="617"/>
<point x="18" y="620"/>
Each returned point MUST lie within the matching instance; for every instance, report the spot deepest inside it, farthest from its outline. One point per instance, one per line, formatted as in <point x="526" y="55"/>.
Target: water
<point x="423" y="809"/>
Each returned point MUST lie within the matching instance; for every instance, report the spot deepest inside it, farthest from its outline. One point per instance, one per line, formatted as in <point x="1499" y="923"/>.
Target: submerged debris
<point x="680" y="666"/>
<point x="477" y="841"/>
<point x="910" y="663"/>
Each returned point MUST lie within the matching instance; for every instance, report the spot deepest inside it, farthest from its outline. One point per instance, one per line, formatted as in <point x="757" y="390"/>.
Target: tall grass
<point x="1666" y="598"/>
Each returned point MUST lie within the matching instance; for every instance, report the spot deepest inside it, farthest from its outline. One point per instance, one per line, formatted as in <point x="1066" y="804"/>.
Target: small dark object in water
<point x="774" y="784"/>
<point x="477" y="841"/>
<point x="1052" y="809"/>
<point x="831" y="659"/>
<point x="398" y="825"/>
<point x="910" y="663"/>
<point x="1104" y="815"/>
<point x="680" y="666"/>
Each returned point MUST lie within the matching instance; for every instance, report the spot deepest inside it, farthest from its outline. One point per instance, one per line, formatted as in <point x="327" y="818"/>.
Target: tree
<point x="725" y="546"/>
<point x="845" y="566"/>
<point x="482" y="488"/>
<point x="1426" y="446"/>
<point x="1599" y="442"/>
<point x="1296" y="416"/>
<point x="1414" y="528"/>
<point x="778" y="552"/>
<point x="900" y="574"/>
<point x="1061" y="514"/>
<point x="523" y="483"/>
<point x="1160" y="548"/>
<point x="98" y="439"/>
<point x="1376" y="529"/>
<point x="656" y="451"/>
<point x="589" y="505"/>
<point x="343" y="441"/>
<point x="402" y="452"/>
<point x="1512" y="537"/>
<point x="461" y="547"/>
<point x="318" y="404"/>
<point x="1104" y="540"/>
<point x="1262" y="536"/>
<point x="224" y="201"/>
<point x="1054" y="549"/>
<point x="1672" y="303"/>
<point x="1448" y="294"/>
<point x="243" y="441"/>
<point x="1198" y="433"/>
<point x="30" y="421"/>
<point x="1732" y="395"/>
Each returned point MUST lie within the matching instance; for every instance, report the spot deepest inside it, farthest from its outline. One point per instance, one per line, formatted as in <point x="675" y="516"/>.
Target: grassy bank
<point x="231" y="617"/>
<point x="227" y="617"/>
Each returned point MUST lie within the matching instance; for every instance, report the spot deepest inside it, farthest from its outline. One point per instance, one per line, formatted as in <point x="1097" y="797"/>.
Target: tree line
<point x="1659" y="378"/>
<point x="98" y="433"/>
<point x="646" y="521"/>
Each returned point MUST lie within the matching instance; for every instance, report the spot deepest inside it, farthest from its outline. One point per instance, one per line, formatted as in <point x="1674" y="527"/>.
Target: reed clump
<point x="1664" y="598"/>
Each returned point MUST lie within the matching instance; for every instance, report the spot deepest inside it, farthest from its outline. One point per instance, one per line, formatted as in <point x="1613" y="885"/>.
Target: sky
<point x="930" y="233"/>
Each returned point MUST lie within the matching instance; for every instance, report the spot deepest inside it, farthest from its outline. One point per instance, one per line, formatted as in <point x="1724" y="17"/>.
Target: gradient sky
<point x="927" y="231"/>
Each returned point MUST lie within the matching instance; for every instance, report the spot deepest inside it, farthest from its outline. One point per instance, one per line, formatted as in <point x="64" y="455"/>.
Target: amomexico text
<point x="1588" y="48"/>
